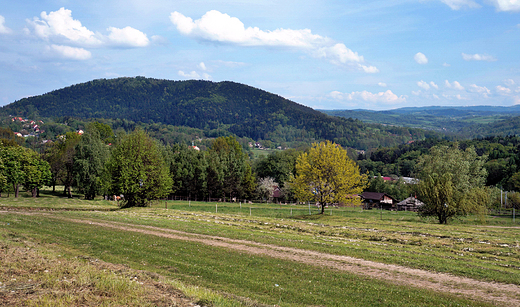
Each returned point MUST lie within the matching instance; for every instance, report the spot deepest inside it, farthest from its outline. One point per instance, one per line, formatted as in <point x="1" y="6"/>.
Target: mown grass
<point x="303" y="211"/>
<point x="55" y="201"/>
<point x="480" y="252"/>
<point x="263" y="279"/>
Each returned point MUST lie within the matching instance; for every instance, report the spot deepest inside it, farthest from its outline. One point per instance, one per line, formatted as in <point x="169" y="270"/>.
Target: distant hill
<point x="464" y="122"/>
<point x="243" y="110"/>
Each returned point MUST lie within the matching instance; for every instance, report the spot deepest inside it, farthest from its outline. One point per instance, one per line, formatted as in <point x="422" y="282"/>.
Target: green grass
<point x="480" y="252"/>
<point x="464" y="248"/>
<point x="264" y="279"/>
<point x="55" y="200"/>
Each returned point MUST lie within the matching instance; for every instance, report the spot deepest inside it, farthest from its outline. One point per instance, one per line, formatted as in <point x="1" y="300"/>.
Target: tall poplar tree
<point x="90" y="157"/>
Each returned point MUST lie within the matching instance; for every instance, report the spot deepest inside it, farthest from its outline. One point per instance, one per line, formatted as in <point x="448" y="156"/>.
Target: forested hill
<point x="241" y="109"/>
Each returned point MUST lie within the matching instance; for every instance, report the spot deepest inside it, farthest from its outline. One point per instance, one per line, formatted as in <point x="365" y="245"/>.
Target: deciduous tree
<point x="451" y="182"/>
<point x="327" y="175"/>
<point x="90" y="157"/>
<point x="23" y="166"/>
<point x="137" y="169"/>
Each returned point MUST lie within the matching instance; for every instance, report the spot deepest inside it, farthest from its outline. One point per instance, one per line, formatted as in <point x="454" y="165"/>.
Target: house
<point x="277" y="193"/>
<point x="378" y="200"/>
<point x="386" y="179"/>
<point x="409" y="204"/>
<point x="410" y="180"/>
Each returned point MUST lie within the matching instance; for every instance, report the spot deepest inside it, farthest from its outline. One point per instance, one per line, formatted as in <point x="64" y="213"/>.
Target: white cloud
<point x="455" y="85"/>
<point x="509" y="82"/>
<point x="3" y="28"/>
<point x="479" y="89"/>
<point x="218" y="27"/>
<point x="458" y="4"/>
<point x="338" y="52"/>
<point x="426" y="85"/>
<point x="231" y="63"/>
<point x="501" y="90"/>
<point x="191" y="75"/>
<point x="506" y="5"/>
<point x="127" y="37"/>
<point x="423" y="85"/>
<point x="59" y="26"/>
<point x="459" y="97"/>
<point x="202" y="66"/>
<point x="382" y="97"/>
<point x="194" y="75"/>
<point x="159" y="40"/>
<point x="446" y="65"/>
<point x="382" y="84"/>
<point x="369" y="69"/>
<point x="420" y="58"/>
<point x="478" y="57"/>
<point x="71" y="52"/>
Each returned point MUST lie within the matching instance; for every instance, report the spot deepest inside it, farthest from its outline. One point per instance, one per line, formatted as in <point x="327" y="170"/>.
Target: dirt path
<point x="496" y="293"/>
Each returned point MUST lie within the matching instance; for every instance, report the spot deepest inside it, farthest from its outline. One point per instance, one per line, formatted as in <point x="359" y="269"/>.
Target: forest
<point x="239" y="109"/>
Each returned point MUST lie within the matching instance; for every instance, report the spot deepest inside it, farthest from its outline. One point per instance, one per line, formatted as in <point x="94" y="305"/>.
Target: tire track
<point x="497" y="293"/>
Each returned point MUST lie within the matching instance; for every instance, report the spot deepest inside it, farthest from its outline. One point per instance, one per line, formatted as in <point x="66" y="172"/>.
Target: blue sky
<point x="324" y="54"/>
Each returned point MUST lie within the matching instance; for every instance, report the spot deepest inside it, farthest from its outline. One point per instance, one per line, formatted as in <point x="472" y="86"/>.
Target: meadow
<point x="127" y="256"/>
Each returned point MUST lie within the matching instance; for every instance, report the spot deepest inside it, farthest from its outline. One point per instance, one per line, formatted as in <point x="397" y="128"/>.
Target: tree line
<point x="454" y="177"/>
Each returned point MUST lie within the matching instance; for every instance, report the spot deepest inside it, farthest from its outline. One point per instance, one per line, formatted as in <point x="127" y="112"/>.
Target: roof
<point x="374" y="195"/>
<point x="411" y="201"/>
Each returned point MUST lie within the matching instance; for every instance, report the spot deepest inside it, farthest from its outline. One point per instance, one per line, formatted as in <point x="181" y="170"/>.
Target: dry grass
<point x="32" y="275"/>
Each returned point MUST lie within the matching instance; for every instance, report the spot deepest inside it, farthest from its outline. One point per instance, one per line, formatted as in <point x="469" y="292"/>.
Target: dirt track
<point x="496" y="293"/>
<point x="500" y="294"/>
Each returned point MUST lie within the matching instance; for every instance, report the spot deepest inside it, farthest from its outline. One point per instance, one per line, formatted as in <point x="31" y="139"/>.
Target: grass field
<point x="218" y="276"/>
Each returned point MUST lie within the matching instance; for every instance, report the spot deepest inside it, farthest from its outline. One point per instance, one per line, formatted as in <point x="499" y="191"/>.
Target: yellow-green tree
<point x="327" y="175"/>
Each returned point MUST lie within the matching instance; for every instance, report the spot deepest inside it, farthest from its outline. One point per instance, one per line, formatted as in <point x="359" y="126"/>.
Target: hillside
<point x="465" y="122"/>
<point x="240" y="109"/>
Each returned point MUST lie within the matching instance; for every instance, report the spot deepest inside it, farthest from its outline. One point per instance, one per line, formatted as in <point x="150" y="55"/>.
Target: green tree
<point x="60" y="156"/>
<point x="37" y="173"/>
<point x="327" y="175"/>
<point x="105" y="131"/>
<point x="234" y="164"/>
<point x="137" y="170"/>
<point x="90" y="157"/>
<point x="23" y="166"/>
<point x="451" y="182"/>
<point x="188" y="169"/>
<point x="280" y="165"/>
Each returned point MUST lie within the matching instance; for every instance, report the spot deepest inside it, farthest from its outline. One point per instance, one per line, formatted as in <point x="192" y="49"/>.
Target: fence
<point x="256" y="209"/>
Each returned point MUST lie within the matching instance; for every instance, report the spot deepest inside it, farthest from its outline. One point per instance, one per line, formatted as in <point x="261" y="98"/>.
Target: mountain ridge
<point x="241" y="109"/>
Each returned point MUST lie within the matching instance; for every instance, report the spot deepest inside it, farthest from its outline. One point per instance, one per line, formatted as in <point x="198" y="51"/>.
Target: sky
<point x="325" y="54"/>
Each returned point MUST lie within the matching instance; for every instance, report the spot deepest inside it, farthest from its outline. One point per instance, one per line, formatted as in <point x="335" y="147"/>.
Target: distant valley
<point x="464" y="122"/>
